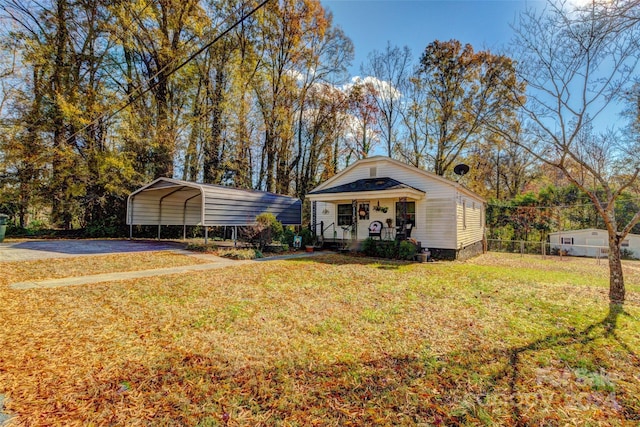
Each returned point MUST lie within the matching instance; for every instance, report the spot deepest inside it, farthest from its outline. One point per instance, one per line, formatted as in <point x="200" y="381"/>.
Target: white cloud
<point x="382" y="88"/>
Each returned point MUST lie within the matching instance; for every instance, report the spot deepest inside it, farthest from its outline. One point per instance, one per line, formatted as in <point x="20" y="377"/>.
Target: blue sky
<point x="370" y="23"/>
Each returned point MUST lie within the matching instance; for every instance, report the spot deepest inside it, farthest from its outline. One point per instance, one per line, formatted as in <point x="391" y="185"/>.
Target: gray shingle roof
<point x="368" y="184"/>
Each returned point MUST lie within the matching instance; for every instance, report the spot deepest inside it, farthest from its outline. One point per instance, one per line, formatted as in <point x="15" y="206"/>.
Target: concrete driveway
<point x="43" y="249"/>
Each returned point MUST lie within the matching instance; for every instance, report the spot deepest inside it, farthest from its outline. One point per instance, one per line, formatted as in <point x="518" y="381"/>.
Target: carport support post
<point x="235" y="236"/>
<point x="130" y="231"/>
<point x="159" y="228"/>
<point x="206" y="234"/>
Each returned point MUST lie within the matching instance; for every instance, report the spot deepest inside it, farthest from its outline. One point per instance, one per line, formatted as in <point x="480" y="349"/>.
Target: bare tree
<point x="362" y="132"/>
<point x="577" y="64"/>
<point x="391" y="69"/>
<point x="414" y="149"/>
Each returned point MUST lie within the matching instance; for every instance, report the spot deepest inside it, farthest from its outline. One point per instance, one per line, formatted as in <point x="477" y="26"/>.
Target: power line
<point x="185" y="62"/>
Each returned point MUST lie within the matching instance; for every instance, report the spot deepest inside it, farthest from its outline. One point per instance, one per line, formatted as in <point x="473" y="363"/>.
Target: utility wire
<point x="182" y="64"/>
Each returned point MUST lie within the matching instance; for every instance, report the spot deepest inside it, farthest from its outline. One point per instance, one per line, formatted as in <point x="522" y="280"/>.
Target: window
<point x="567" y="241"/>
<point x="625" y="243"/>
<point x="345" y="215"/>
<point x="411" y="212"/>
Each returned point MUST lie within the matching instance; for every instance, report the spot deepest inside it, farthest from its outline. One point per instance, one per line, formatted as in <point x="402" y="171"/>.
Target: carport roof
<point x="164" y="183"/>
<point x="171" y="201"/>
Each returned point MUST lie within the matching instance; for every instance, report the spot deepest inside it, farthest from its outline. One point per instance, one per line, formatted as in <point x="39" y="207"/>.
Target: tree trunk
<point x="163" y="154"/>
<point x="213" y="145"/>
<point x="271" y="160"/>
<point x="616" y="278"/>
<point x="59" y="195"/>
<point x="243" y="149"/>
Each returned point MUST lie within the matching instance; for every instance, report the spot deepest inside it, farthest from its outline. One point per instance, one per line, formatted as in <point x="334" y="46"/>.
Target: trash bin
<point x="3" y="226"/>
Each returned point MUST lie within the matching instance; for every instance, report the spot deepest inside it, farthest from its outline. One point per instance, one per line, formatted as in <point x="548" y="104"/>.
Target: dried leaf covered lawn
<point x="88" y="265"/>
<point x="332" y="340"/>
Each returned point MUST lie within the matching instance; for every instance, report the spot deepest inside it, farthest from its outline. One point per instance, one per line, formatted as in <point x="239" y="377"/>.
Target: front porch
<point x="382" y="219"/>
<point x="381" y="208"/>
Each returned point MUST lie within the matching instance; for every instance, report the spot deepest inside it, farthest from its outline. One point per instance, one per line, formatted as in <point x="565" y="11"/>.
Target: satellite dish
<point x="461" y="169"/>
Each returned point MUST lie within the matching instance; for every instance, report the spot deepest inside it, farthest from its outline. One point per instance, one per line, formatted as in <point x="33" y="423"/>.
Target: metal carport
<point x="168" y="201"/>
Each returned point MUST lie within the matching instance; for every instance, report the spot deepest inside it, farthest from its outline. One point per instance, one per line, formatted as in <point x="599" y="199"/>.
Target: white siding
<point x="585" y="242"/>
<point x="470" y="224"/>
<point x="145" y="208"/>
<point x="363" y="225"/>
<point x="440" y="230"/>
<point x="438" y="214"/>
<point x="327" y="213"/>
<point x="634" y="245"/>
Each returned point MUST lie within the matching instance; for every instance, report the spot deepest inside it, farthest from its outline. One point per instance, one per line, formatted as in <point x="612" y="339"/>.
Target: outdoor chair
<point x="375" y="229"/>
<point x="403" y="233"/>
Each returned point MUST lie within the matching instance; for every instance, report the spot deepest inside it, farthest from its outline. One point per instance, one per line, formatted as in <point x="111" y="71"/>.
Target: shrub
<point x="276" y="247"/>
<point x="240" y="254"/>
<point x="201" y="247"/>
<point x="266" y="230"/>
<point x="627" y="254"/>
<point x="269" y="221"/>
<point x="307" y="236"/>
<point x="407" y="250"/>
<point x="387" y="249"/>
<point x="287" y="236"/>
<point x="369" y="247"/>
<point x="106" y="227"/>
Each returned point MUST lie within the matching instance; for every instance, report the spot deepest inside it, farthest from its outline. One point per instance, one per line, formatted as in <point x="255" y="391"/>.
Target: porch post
<point x="314" y="216"/>
<point x="354" y="218"/>
<point x="402" y="231"/>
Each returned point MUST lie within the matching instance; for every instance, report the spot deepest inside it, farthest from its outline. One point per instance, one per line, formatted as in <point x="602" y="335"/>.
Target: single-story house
<point x="168" y="201"/>
<point x="442" y="215"/>
<point x="591" y="242"/>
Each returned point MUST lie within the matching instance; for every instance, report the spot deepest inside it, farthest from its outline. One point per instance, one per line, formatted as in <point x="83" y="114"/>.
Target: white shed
<point x="443" y="215"/>
<point x="168" y="201"/>
<point x="591" y="242"/>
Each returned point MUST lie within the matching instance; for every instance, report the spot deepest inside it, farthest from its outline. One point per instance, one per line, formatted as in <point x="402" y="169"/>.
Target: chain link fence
<point x="546" y="249"/>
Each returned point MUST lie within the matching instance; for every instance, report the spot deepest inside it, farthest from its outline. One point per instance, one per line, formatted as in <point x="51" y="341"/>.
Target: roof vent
<point x="373" y="172"/>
